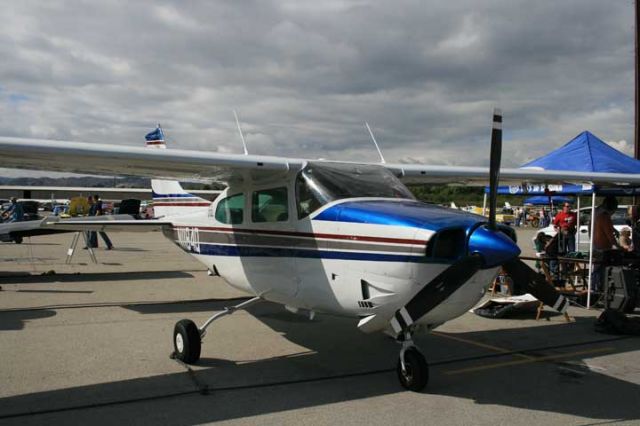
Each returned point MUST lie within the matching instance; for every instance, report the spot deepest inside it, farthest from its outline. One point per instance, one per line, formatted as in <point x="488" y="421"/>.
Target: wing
<point x="90" y="158"/>
<point x="418" y="173"/>
<point x="117" y="223"/>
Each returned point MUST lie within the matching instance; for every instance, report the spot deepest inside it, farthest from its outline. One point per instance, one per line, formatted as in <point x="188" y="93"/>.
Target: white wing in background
<point x="100" y="159"/>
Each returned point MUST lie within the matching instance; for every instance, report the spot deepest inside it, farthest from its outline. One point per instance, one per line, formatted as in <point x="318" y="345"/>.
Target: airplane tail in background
<point x="169" y="198"/>
<point x="155" y="139"/>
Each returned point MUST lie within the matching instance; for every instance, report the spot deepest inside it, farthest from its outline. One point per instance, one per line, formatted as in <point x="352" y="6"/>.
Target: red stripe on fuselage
<point x="307" y="235"/>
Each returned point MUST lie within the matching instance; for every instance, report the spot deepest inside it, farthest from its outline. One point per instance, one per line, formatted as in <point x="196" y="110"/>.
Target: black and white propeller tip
<point x="497" y="119"/>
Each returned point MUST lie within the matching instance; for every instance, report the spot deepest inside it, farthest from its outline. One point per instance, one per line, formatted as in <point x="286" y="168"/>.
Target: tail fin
<point x="169" y="198"/>
<point x="155" y="139"/>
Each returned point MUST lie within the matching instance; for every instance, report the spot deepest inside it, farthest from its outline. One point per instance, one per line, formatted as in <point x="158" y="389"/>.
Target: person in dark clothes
<point x="91" y="236"/>
<point x="97" y="210"/>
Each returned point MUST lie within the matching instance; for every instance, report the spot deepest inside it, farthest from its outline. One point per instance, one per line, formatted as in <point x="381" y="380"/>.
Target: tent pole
<point x="593" y="220"/>
<point x="577" y="239"/>
<point x="578" y="224"/>
<point x="484" y="205"/>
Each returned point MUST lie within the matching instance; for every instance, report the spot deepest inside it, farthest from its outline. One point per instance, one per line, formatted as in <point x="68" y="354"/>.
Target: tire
<point x="17" y="239"/>
<point x="186" y="341"/>
<point x="417" y="375"/>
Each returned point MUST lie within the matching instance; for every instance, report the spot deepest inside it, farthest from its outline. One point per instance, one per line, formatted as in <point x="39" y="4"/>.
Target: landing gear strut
<point x="412" y="368"/>
<point x="187" y="336"/>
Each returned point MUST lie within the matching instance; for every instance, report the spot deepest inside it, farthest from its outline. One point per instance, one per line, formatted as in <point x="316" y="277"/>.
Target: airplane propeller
<point x="516" y="268"/>
<point x="452" y="278"/>
<point x="456" y="275"/>
<point x="494" y="166"/>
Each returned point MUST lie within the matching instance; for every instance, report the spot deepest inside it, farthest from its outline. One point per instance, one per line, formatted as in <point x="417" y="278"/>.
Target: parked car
<point x="620" y="220"/>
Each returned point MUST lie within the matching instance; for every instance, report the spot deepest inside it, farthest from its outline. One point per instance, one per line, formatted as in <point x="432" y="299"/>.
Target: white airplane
<point x="320" y="236"/>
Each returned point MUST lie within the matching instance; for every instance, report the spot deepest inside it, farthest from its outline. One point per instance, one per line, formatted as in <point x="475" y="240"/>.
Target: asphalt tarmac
<point x="90" y="344"/>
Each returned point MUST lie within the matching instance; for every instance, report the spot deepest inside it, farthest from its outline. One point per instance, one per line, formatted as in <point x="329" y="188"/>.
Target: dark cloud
<point x="304" y="76"/>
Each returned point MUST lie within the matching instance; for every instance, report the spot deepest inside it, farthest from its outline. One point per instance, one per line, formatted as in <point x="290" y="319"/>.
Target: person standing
<point x="97" y="210"/>
<point x="604" y="238"/>
<point x="15" y="212"/>
<point x="565" y="223"/>
<point x="91" y="236"/>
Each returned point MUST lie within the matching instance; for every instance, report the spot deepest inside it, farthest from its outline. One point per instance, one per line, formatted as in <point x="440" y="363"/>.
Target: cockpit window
<point x="270" y="205"/>
<point x="320" y="183"/>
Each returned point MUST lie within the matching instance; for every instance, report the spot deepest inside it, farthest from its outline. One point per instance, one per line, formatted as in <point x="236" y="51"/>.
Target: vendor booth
<point x="584" y="153"/>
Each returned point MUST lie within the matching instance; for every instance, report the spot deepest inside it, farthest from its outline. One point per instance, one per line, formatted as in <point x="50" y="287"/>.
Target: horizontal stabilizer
<point x="115" y="223"/>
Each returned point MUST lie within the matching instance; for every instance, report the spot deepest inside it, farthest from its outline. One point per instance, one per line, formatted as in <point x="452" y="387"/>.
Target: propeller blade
<point x="536" y="285"/>
<point x="436" y="291"/>
<point x="494" y="165"/>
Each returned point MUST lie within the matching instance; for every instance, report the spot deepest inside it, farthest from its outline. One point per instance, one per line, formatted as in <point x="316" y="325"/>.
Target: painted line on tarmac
<point x="528" y="361"/>
<point x="482" y="345"/>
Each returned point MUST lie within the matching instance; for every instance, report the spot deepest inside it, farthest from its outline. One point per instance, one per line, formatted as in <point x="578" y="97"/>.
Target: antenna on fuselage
<point x="244" y="145"/>
<point x="373" y="138"/>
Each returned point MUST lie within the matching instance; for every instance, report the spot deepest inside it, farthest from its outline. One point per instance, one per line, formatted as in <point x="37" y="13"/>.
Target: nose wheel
<point x="412" y="368"/>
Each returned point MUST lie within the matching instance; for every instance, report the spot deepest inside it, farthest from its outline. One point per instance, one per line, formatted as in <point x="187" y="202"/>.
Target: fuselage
<point x="353" y="256"/>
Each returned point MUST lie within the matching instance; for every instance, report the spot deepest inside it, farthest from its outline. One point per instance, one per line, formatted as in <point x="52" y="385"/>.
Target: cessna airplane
<point x="321" y="236"/>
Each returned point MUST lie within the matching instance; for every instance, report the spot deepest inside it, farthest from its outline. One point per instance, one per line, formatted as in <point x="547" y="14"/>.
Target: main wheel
<point x="18" y="239"/>
<point x="186" y="341"/>
<point x="416" y="374"/>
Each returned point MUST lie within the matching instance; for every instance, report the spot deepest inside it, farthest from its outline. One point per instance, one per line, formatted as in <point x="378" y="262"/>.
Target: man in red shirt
<point x="565" y="224"/>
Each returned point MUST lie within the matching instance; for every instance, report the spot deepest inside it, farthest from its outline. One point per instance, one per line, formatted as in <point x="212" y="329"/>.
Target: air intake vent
<point x="447" y="244"/>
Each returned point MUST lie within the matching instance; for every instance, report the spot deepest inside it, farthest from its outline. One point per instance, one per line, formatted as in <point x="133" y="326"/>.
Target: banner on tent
<point x="541" y="189"/>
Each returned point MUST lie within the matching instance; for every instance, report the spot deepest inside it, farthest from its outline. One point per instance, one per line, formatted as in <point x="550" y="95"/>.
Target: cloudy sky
<point x="305" y="76"/>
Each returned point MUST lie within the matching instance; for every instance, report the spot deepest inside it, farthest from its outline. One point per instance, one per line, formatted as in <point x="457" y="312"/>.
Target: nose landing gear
<point x="412" y="368"/>
<point x="187" y="337"/>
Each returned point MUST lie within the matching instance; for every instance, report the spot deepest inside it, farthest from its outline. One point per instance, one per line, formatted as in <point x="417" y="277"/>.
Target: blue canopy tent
<point x="584" y="153"/>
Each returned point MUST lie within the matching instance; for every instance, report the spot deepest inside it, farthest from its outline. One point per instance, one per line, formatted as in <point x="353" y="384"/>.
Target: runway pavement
<point x="85" y="343"/>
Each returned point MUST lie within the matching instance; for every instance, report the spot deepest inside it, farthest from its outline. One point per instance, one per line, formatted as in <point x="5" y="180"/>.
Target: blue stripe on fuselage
<point x="156" y="195"/>
<point x="252" y="251"/>
<point x="409" y="213"/>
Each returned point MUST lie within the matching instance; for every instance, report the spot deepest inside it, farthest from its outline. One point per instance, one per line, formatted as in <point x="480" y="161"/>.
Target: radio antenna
<point x="373" y="138"/>
<point x="244" y="144"/>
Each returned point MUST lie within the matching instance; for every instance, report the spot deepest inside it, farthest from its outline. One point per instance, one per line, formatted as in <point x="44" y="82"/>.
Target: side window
<point x="231" y="209"/>
<point x="270" y="205"/>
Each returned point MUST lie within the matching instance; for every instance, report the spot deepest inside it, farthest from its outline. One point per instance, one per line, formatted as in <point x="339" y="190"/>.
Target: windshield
<point x="320" y="183"/>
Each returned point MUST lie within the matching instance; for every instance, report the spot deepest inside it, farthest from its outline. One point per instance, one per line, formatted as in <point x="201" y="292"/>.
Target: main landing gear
<point x="187" y="337"/>
<point x="412" y="368"/>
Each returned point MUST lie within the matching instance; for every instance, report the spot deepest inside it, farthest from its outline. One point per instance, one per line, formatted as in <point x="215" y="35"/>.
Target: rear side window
<point x="270" y="205"/>
<point x="231" y="210"/>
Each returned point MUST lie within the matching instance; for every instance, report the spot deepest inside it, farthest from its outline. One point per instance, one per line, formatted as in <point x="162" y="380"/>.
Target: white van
<point x="620" y="220"/>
